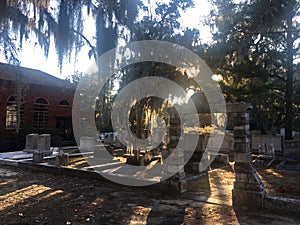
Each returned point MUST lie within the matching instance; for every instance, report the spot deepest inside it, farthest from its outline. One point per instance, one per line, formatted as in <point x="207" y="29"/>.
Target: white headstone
<point x="44" y="142"/>
<point x="31" y="142"/>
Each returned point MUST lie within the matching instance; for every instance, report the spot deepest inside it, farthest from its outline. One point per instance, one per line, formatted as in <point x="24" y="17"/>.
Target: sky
<point x="33" y="56"/>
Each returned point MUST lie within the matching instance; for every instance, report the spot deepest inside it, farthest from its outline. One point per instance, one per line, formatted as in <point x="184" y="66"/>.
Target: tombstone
<point x="38" y="157"/>
<point x="265" y="143"/>
<point x="31" y="142"/>
<point x="62" y="159"/>
<point x="43" y="144"/>
<point x="87" y="144"/>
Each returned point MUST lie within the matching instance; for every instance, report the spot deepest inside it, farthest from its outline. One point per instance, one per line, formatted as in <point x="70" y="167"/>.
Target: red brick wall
<point x="33" y="91"/>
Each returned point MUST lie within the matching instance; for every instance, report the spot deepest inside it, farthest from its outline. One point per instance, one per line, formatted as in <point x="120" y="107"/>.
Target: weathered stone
<point x="257" y="140"/>
<point x="44" y="143"/>
<point x="242" y="157"/>
<point x="243" y="167"/>
<point x="241" y="147"/>
<point x="31" y="142"/>
<point x="241" y="136"/>
<point x="282" y="204"/>
<point x="62" y="160"/>
<point x="242" y="127"/>
<point x="248" y="187"/>
<point x="247" y="199"/>
<point x="38" y="157"/>
<point x="247" y="178"/>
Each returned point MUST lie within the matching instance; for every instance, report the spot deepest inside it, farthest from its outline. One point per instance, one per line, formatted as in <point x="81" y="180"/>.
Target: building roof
<point x="33" y="76"/>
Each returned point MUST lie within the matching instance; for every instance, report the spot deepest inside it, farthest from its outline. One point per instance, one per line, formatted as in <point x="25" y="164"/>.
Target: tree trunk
<point x="289" y="83"/>
<point x="139" y="121"/>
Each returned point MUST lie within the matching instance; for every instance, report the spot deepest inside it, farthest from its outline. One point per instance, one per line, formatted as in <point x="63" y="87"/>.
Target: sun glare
<point x="192" y="18"/>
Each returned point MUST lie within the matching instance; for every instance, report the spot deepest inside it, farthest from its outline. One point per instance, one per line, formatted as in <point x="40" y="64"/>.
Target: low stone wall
<point x="282" y="204"/>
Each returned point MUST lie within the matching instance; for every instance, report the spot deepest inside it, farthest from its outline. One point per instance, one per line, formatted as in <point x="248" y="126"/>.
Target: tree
<point x="114" y="20"/>
<point x="254" y="48"/>
<point x="163" y="26"/>
<point x="64" y="22"/>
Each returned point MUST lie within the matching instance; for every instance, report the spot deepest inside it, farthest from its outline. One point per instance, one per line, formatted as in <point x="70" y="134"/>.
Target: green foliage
<point x="253" y="48"/>
<point x="251" y="51"/>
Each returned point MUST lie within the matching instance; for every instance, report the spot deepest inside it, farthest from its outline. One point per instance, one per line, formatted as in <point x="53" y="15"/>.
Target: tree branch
<point x="49" y="16"/>
<point x="87" y="41"/>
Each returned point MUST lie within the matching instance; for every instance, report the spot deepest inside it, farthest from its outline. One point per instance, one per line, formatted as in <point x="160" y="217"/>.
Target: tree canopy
<point x="255" y="44"/>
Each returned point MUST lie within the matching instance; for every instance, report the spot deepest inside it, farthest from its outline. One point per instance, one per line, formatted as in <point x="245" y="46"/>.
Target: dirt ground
<point x="29" y="197"/>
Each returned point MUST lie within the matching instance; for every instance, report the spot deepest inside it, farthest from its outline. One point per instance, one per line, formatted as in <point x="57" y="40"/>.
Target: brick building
<point x="45" y="102"/>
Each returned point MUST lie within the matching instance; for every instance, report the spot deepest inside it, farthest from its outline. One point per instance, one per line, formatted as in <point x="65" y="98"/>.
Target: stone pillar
<point x="248" y="189"/>
<point x="176" y="164"/>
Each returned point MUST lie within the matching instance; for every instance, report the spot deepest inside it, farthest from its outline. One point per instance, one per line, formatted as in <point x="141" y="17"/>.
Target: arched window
<point x="12" y="113"/>
<point x="40" y="113"/>
<point x="64" y="102"/>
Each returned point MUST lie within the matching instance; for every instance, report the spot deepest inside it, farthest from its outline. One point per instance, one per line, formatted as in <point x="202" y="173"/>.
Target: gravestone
<point x="38" y="157"/>
<point x="268" y="142"/>
<point x="43" y="144"/>
<point x="62" y="159"/>
<point x="31" y="143"/>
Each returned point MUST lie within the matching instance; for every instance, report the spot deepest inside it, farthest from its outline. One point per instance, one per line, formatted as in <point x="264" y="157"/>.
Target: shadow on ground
<point x="29" y="197"/>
